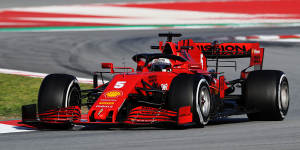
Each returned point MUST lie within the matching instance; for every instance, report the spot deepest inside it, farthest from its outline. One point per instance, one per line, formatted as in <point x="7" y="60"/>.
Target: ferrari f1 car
<point x="173" y="87"/>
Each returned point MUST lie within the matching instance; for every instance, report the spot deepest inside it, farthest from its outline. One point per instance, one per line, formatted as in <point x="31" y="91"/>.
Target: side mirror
<point x="108" y="66"/>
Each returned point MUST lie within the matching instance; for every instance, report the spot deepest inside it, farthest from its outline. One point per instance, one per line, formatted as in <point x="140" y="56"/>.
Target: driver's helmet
<point x="160" y="64"/>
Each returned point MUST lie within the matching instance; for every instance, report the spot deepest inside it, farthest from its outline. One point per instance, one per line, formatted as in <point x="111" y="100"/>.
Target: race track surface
<point x="80" y="53"/>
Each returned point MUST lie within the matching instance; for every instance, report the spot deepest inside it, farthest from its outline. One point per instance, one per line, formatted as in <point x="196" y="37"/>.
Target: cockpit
<point x="156" y="62"/>
<point x="160" y="64"/>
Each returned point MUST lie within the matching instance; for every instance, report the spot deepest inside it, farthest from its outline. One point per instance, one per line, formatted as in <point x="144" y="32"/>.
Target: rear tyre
<point x="267" y="93"/>
<point x="191" y="90"/>
<point x="58" y="91"/>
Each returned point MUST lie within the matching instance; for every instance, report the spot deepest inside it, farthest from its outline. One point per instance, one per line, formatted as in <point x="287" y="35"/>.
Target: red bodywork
<point x="107" y="107"/>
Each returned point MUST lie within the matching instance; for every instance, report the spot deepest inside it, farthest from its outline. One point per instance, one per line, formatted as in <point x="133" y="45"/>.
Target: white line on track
<point x="270" y="38"/>
<point x="4" y="128"/>
<point x="38" y="75"/>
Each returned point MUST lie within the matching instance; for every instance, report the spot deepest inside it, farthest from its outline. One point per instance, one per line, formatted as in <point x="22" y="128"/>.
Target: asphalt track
<point x="80" y="53"/>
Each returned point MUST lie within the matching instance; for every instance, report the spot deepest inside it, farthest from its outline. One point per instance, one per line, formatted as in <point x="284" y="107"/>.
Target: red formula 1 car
<point x="173" y="87"/>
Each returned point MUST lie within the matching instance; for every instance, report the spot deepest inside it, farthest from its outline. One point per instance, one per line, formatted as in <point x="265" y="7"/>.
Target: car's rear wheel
<point x="191" y="90"/>
<point x="267" y="95"/>
<point x="58" y="91"/>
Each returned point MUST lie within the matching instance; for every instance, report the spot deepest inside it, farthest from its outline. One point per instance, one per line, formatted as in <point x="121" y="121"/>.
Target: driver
<point x="160" y="64"/>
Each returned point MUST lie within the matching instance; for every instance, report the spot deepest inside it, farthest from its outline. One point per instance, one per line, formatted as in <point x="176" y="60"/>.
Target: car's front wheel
<point x="193" y="91"/>
<point x="58" y="91"/>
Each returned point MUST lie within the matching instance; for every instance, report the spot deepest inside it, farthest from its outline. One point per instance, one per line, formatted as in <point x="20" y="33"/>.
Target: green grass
<point x="16" y="91"/>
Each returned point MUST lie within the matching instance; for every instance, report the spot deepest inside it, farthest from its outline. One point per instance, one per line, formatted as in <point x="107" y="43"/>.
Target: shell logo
<point x="113" y="94"/>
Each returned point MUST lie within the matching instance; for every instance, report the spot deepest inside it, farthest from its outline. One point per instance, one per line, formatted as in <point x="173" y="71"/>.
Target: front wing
<point x="138" y="116"/>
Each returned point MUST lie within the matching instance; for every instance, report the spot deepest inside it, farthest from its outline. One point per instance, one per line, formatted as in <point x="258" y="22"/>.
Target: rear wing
<point x="234" y="50"/>
<point x="201" y="53"/>
<point x="227" y="50"/>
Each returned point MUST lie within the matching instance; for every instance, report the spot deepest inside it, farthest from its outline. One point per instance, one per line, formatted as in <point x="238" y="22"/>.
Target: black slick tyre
<point x="191" y="90"/>
<point x="267" y="95"/>
<point x="58" y="91"/>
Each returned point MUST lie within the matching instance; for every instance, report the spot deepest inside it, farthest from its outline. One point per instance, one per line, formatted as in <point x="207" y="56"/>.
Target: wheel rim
<point x="74" y="97"/>
<point x="204" y="101"/>
<point x="284" y="98"/>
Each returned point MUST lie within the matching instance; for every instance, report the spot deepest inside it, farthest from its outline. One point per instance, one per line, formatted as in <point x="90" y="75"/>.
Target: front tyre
<point x="58" y="91"/>
<point x="203" y="102"/>
<point x="191" y="90"/>
<point x="267" y="93"/>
